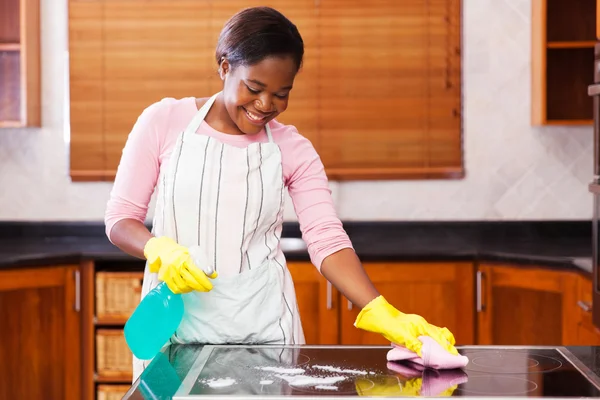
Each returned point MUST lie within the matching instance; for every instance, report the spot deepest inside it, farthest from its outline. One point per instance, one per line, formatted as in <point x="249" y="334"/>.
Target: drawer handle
<point x="585" y="305"/>
<point x="480" y="305"/>
<point x="77" y="305"/>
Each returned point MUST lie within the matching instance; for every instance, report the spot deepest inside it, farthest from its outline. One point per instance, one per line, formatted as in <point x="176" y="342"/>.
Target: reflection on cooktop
<point x="363" y="371"/>
<point x="508" y="362"/>
<point x="523" y="372"/>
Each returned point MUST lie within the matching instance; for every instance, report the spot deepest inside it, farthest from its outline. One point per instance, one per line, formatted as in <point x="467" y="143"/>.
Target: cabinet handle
<point x="329" y="305"/>
<point x="585" y="305"/>
<point x="349" y="305"/>
<point x="480" y="305"/>
<point x="77" y="306"/>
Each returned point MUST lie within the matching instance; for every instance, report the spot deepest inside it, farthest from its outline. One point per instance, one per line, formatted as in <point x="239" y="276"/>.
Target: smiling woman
<point x="221" y="167"/>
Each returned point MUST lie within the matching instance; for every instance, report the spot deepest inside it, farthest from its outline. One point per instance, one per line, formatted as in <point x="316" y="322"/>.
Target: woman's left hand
<point x="379" y="316"/>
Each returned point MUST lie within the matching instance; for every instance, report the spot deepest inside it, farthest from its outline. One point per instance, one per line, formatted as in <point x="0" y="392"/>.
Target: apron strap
<point x="269" y="133"/>
<point x="199" y="117"/>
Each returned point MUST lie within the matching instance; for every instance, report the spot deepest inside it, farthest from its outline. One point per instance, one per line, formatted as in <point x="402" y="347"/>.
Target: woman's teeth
<point x="253" y="116"/>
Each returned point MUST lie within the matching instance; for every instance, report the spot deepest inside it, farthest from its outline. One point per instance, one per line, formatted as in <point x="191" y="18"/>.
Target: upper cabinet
<point x="379" y="94"/>
<point x="19" y="63"/>
<point x="562" y="60"/>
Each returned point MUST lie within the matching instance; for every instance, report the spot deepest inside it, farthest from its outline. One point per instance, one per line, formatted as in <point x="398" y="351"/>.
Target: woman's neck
<point x="218" y="118"/>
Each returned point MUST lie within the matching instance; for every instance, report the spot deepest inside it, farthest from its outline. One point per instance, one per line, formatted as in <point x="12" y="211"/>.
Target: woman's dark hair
<point x="256" y="33"/>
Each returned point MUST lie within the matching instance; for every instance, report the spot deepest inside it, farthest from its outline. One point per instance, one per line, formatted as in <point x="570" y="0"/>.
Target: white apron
<point x="229" y="202"/>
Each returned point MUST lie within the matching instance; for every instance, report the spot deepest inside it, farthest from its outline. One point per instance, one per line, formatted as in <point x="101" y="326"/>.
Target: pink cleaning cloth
<point x="434" y="382"/>
<point x="434" y="355"/>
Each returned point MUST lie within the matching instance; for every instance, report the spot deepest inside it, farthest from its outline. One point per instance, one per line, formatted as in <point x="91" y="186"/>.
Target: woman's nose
<point x="263" y="104"/>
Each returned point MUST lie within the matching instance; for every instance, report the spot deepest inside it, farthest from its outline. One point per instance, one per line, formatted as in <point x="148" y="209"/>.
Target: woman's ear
<point x="224" y="68"/>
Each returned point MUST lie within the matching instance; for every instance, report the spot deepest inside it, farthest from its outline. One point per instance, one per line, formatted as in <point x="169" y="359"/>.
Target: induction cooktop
<point x="303" y="372"/>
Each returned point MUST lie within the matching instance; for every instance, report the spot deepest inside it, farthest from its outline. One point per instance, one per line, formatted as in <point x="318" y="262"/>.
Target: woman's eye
<point x="253" y="91"/>
<point x="282" y="96"/>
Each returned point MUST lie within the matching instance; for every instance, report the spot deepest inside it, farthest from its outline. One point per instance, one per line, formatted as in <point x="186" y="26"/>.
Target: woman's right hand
<point x="176" y="267"/>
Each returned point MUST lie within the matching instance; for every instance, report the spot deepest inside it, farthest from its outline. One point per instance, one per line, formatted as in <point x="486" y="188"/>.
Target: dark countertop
<point x="178" y="367"/>
<point x="552" y="244"/>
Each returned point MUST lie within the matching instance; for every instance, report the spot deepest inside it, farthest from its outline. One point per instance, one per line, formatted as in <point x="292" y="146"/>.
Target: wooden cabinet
<point x="40" y="333"/>
<point x="491" y="304"/>
<point x="379" y="94"/>
<point x="520" y="305"/>
<point x="442" y="293"/>
<point x="563" y="39"/>
<point x="587" y="334"/>
<point x="19" y="63"/>
<point x="82" y="353"/>
<point x="318" y="304"/>
<point x="111" y="293"/>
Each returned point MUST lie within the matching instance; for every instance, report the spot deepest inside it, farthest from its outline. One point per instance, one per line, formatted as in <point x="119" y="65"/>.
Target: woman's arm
<point x="344" y="270"/>
<point x="136" y="180"/>
<point x="331" y="251"/>
<point x="328" y="244"/>
<point x="131" y="236"/>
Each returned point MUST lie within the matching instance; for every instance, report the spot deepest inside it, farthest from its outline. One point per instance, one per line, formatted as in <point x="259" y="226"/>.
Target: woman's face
<point x="254" y="95"/>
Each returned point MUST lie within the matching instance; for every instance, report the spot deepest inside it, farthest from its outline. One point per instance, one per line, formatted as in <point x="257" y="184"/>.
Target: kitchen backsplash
<point x="514" y="171"/>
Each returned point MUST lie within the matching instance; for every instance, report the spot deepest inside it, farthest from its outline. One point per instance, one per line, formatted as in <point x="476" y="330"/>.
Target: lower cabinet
<point x="318" y="304"/>
<point x="64" y="324"/>
<point x="441" y="292"/>
<point x="40" y="333"/>
<point x="486" y="304"/>
<point x="526" y="305"/>
<point x="587" y="334"/>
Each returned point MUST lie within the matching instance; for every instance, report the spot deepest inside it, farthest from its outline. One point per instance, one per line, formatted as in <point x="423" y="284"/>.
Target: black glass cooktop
<point x="349" y="372"/>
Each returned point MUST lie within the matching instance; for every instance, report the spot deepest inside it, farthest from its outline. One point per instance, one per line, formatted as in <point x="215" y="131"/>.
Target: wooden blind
<point x="390" y="88"/>
<point x="379" y="93"/>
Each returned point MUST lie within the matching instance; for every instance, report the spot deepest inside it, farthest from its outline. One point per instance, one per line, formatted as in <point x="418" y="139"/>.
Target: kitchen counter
<point x="210" y="372"/>
<point x="565" y="245"/>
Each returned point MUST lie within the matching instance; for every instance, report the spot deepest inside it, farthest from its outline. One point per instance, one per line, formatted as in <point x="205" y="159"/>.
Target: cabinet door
<point x="40" y="334"/>
<point x="525" y="305"/>
<point x="318" y="304"/>
<point x="442" y="293"/>
<point x="586" y="333"/>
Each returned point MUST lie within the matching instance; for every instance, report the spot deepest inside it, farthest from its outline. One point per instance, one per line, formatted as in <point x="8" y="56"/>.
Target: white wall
<point x="514" y="171"/>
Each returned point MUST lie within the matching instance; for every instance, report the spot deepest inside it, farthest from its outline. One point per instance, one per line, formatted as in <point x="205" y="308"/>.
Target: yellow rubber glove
<point x="381" y="317"/>
<point x="175" y="266"/>
<point x="393" y="387"/>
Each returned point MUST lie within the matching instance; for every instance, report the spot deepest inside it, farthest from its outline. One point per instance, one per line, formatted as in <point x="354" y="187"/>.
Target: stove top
<point x="239" y="372"/>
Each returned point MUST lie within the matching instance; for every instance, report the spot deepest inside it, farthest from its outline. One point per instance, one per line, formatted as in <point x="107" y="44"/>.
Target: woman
<point x="221" y="166"/>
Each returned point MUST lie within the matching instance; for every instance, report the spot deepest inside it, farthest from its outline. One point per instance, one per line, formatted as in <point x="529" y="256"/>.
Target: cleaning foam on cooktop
<point x="326" y="387"/>
<point x="279" y="370"/>
<point x="219" y="383"/>
<point x="305" y="380"/>
<point x="330" y="368"/>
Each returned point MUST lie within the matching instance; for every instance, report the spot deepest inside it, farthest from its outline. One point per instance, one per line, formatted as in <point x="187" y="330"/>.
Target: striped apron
<point x="228" y="201"/>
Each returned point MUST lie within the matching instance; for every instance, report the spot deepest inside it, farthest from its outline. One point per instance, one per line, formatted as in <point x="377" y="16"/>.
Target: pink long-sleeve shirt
<point x="151" y="142"/>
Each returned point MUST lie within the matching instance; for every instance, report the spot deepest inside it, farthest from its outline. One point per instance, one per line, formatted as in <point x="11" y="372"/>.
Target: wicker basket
<point x="117" y="294"/>
<point x="111" y="392"/>
<point x="113" y="357"/>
